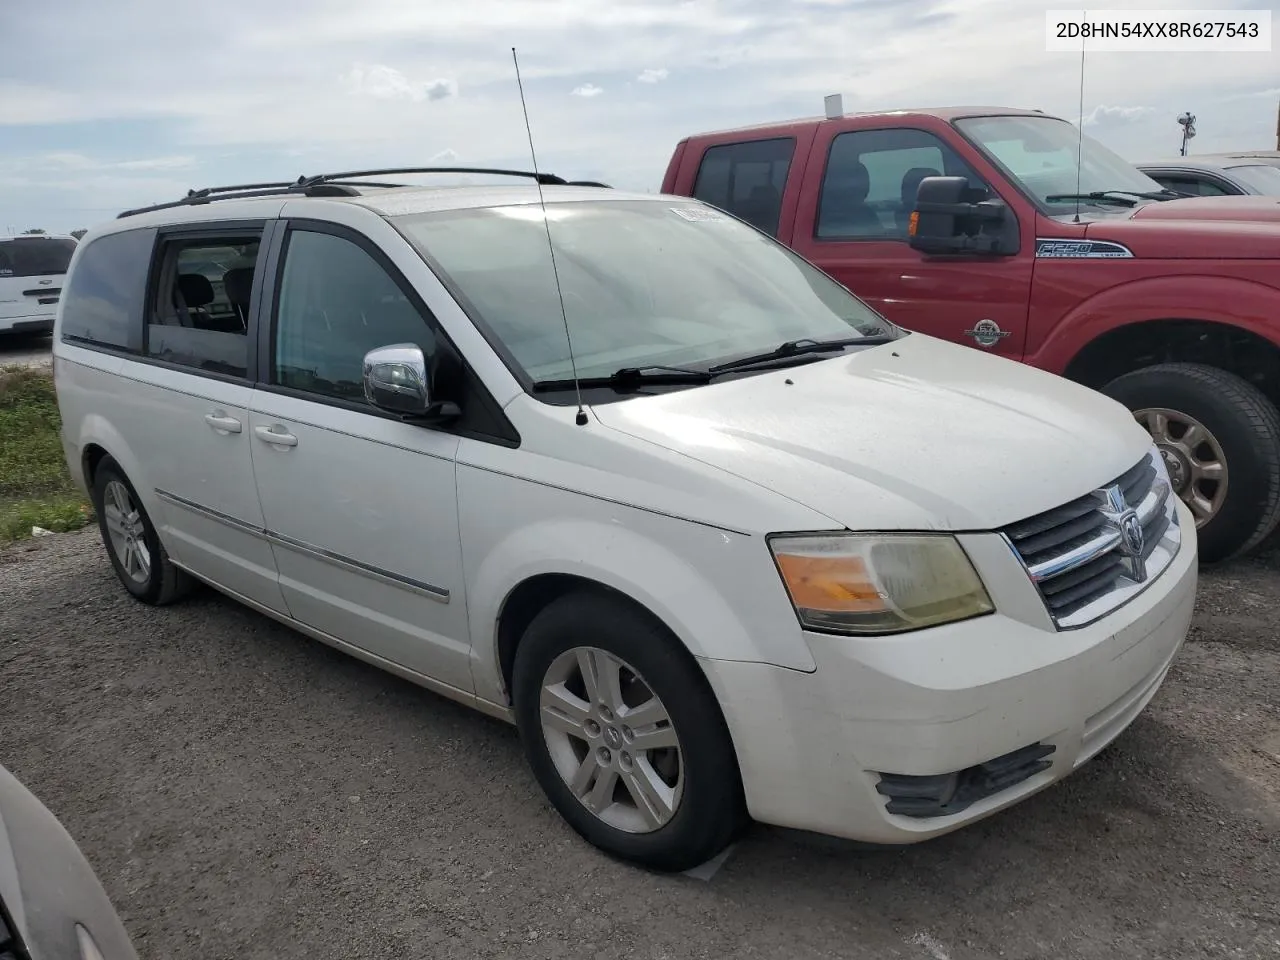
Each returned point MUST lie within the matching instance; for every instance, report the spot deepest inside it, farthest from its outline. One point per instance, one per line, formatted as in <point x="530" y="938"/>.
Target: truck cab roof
<point x="945" y="114"/>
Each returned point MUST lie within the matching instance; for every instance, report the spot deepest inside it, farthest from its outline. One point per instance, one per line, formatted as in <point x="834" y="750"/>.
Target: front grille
<point x="1086" y="557"/>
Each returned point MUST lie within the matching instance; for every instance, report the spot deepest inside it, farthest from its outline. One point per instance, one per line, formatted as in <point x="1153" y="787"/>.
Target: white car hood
<point x="917" y="434"/>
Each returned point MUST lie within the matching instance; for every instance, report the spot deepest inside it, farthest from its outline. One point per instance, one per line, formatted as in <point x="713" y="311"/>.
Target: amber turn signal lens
<point x="836" y="584"/>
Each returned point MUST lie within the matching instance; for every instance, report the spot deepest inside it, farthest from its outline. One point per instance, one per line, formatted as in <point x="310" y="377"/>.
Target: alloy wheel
<point x="612" y="740"/>
<point x="127" y="530"/>
<point x="1197" y="467"/>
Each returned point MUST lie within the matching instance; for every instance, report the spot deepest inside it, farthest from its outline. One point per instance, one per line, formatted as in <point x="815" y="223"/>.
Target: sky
<point x="107" y="104"/>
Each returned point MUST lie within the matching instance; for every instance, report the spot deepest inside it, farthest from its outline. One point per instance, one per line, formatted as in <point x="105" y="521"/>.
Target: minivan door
<point x="361" y="507"/>
<point x="860" y="188"/>
<point x="184" y="405"/>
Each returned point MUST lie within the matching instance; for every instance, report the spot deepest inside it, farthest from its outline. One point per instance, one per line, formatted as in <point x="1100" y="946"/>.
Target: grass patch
<point x="35" y="488"/>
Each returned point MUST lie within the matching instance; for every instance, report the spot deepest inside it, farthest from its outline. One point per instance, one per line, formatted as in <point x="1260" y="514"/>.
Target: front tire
<point x="624" y="735"/>
<point x="1220" y="438"/>
<point x="133" y="545"/>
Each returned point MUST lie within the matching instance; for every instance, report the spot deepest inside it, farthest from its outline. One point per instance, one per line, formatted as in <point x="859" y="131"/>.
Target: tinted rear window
<point x="35" y="256"/>
<point x="747" y="179"/>
<point x="102" y="300"/>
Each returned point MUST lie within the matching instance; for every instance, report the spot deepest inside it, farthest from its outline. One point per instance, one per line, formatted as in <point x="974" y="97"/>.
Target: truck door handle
<point x="277" y="435"/>
<point x="222" y="423"/>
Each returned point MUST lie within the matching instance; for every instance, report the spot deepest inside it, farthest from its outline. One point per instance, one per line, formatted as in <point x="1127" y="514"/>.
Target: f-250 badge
<point x="986" y="333"/>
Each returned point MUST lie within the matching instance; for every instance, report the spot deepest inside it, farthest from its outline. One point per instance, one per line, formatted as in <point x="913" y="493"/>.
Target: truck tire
<point x="1220" y="438"/>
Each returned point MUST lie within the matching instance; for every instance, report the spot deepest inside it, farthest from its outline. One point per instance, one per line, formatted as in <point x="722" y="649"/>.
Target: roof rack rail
<point x="545" y="179"/>
<point x="336" y="185"/>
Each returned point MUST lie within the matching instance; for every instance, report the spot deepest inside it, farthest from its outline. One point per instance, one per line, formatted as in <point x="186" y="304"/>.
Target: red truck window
<point x="869" y="186"/>
<point x="747" y="179"/>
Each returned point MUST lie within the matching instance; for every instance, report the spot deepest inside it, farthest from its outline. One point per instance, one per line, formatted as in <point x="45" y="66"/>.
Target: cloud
<point x="445" y="156"/>
<point x="1104" y="114"/>
<point x="301" y="83"/>
<point x="387" y="83"/>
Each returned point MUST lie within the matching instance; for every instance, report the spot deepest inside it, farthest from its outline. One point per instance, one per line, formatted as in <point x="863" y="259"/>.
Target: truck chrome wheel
<point x="611" y="740"/>
<point x="128" y="531"/>
<point x="1193" y="457"/>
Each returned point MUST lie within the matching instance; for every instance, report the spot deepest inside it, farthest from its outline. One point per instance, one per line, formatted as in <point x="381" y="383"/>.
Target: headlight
<point x="882" y="583"/>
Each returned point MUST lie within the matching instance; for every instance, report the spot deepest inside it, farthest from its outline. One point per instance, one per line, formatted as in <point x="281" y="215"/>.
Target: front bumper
<point x="811" y="746"/>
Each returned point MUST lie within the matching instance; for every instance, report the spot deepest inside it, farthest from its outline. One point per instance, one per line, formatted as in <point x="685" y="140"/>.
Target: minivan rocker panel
<point x="874" y="584"/>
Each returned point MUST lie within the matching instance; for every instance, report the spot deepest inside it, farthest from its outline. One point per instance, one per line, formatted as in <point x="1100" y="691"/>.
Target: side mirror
<point x="396" y="380"/>
<point x="953" y="217"/>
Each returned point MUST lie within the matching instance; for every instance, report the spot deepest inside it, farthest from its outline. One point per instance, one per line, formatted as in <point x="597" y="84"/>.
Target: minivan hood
<point x="916" y="434"/>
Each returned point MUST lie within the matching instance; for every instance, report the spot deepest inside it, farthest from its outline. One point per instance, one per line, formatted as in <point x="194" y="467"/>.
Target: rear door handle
<point x="221" y="422"/>
<point x="277" y="435"/>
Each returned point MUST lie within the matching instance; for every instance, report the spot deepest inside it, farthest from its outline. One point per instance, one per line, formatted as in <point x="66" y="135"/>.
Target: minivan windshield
<point x="666" y="282"/>
<point x="1041" y="153"/>
<point x="35" y="256"/>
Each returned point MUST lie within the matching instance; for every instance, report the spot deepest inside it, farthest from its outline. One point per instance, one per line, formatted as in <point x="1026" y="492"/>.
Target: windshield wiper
<point x="628" y="378"/>
<point x="1118" y="197"/>
<point x="797" y="348"/>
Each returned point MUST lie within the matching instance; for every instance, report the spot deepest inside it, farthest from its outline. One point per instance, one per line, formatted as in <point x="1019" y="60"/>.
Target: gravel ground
<point x="25" y="350"/>
<point x="245" y="792"/>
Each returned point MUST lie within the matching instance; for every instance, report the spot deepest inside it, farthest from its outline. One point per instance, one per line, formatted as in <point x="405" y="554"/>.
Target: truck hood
<point x="917" y="434"/>
<point x="1198" y="228"/>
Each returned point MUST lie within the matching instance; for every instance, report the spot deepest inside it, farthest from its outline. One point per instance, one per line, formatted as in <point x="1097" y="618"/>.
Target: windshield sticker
<point x="1081" y="250"/>
<point x="698" y="214"/>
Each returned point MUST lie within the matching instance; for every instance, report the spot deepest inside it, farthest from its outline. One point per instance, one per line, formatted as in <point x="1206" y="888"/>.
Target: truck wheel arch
<point x="1139" y="317"/>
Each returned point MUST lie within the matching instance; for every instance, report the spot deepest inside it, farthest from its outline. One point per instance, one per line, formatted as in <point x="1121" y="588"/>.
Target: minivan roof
<point x="384" y="201"/>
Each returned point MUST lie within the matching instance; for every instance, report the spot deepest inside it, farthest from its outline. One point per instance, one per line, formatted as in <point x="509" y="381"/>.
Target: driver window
<point x="869" y="186"/>
<point x="336" y="303"/>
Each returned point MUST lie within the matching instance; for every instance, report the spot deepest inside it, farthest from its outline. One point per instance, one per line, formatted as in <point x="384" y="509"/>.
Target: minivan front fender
<point x="717" y="591"/>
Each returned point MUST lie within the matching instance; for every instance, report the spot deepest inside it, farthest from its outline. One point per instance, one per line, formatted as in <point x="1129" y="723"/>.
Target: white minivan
<point x="32" y="268"/>
<point x="723" y="542"/>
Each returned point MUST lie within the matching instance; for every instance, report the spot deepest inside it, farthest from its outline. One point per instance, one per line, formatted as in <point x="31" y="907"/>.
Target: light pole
<point x="1188" y="123"/>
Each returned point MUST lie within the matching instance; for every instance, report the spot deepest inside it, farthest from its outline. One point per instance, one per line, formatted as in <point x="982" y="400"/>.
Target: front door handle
<point x="277" y="435"/>
<point x="222" y="423"/>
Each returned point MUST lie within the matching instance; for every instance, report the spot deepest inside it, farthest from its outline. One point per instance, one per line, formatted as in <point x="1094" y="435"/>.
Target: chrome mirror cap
<point x="395" y="379"/>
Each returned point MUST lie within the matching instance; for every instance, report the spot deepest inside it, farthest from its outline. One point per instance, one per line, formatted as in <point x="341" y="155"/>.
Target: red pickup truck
<point x="978" y="225"/>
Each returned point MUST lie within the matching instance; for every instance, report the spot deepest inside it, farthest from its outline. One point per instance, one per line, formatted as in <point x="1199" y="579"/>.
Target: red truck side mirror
<point x="952" y="217"/>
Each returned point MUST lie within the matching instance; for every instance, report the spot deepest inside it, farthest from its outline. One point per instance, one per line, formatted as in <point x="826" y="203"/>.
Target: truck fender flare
<point x="1245" y="304"/>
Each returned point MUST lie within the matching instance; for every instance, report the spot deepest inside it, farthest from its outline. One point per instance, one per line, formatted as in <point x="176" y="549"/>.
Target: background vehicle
<point x="674" y="555"/>
<point x="31" y="270"/>
<point x="1215" y="175"/>
<point x="979" y="225"/>
<point x="52" y="906"/>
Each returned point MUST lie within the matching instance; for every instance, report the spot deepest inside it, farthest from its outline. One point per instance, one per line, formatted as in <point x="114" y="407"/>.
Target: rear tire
<point x="133" y="545"/>
<point x="593" y="765"/>
<point x="1220" y="437"/>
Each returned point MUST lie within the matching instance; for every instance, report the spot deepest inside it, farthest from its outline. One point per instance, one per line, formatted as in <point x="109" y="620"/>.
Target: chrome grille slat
<point x="1085" y="557"/>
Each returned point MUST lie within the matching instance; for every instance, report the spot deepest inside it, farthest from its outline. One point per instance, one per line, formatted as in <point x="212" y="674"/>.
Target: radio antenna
<point x="581" y="418"/>
<point x="1080" y="133"/>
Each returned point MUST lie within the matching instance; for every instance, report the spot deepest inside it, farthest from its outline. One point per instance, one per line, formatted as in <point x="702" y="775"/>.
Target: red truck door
<point x="859" y="189"/>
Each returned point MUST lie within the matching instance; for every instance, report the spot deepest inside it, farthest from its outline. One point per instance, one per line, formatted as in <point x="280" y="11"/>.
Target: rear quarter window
<point x="104" y="296"/>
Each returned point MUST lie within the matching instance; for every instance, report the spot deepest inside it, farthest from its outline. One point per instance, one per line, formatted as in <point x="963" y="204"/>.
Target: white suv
<point x="780" y="559"/>
<point x="32" y="267"/>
